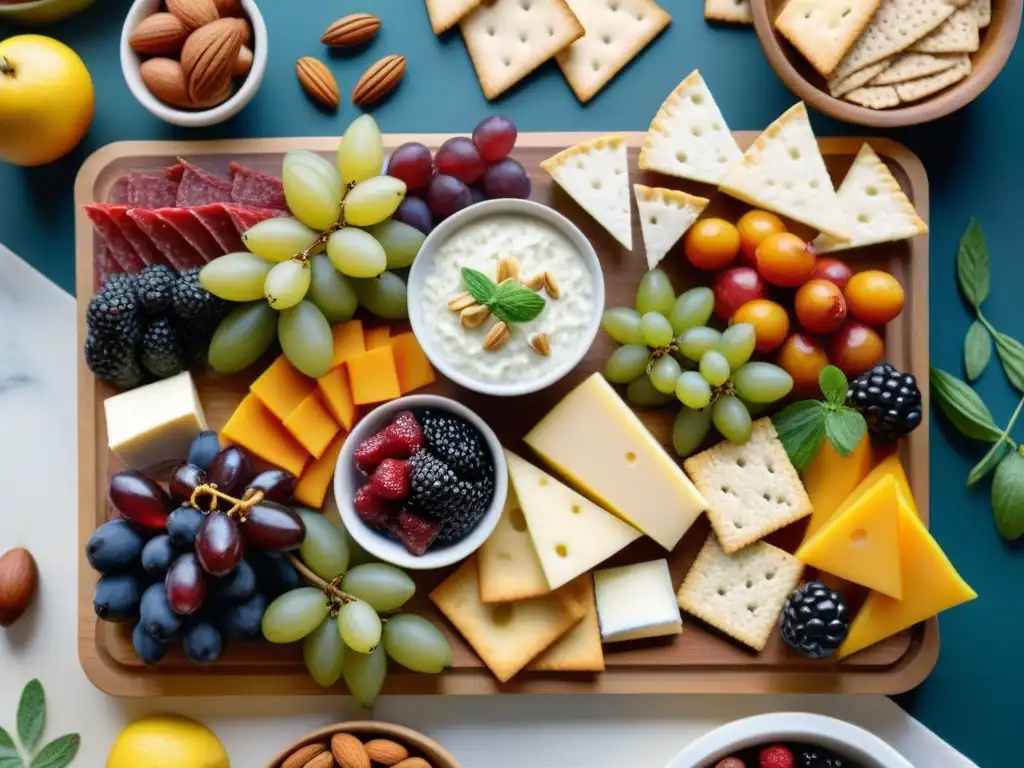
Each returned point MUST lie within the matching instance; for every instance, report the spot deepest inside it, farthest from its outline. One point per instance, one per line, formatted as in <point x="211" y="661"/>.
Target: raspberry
<point x="390" y="481"/>
<point x="399" y="440"/>
<point x="371" y="509"/>
<point x="415" y="532"/>
<point x="407" y="430"/>
<point x="775" y="757"/>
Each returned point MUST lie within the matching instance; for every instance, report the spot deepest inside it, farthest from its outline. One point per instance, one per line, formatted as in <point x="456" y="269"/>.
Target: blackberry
<point x="191" y="302"/>
<point x="113" y="311"/>
<point x="466" y="507"/>
<point x="815" y="621"/>
<point x="818" y="757"/>
<point x="458" y="443"/>
<point x="889" y="400"/>
<point x="161" y="352"/>
<point x="153" y="286"/>
<point x="112" y="360"/>
<point x="431" y="482"/>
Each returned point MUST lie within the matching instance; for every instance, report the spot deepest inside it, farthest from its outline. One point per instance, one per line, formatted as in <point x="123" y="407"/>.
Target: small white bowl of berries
<point x="421" y="482"/>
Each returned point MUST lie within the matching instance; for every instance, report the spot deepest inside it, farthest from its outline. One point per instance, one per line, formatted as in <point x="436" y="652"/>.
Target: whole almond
<point x="161" y="34"/>
<point x="460" y="301"/>
<point x="243" y="63"/>
<point x="18" y="579"/>
<point x="194" y="13"/>
<point x="534" y="283"/>
<point x="349" y="751"/>
<point x="540" y="344"/>
<point x="497" y="337"/>
<point x="508" y="268"/>
<point x="353" y="29"/>
<point x="246" y="31"/>
<point x="301" y="757"/>
<point x="413" y="762"/>
<point x="386" y="752"/>
<point x="474" y="316"/>
<point x="208" y="57"/>
<point x="215" y="98"/>
<point x="166" y="80"/>
<point x="379" y="80"/>
<point x="321" y="761"/>
<point x="318" y="81"/>
<point x="229" y="7"/>
<point x="551" y="286"/>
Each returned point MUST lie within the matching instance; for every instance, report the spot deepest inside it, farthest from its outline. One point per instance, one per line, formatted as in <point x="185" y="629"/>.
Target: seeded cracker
<point x="857" y="79"/>
<point x="743" y="594"/>
<point x="910" y="66"/>
<point x="509" y="568"/>
<point x="615" y="34"/>
<point x="983" y="10"/>
<point x="734" y="11"/>
<point x="824" y="30"/>
<point x="926" y="86"/>
<point x="508" y="39"/>
<point x="665" y="215"/>
<point x="875" y="97"/>
<point x="751" y="489"/>
<point x="445" y="14"/>
<point x="580" y="649"/>
<point x="957" y="34"/>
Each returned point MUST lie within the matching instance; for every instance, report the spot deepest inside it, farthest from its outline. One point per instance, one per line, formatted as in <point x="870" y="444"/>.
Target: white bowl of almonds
<point x="505" y="297"/>
<point x="194" y="63"/>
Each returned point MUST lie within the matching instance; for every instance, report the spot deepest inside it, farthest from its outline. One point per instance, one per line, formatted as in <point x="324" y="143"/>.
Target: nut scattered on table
<point x="318" y="81"/>
<point x="354" y="29"/>
<point x="18" y="579"/>
<point x="380" y="79"/>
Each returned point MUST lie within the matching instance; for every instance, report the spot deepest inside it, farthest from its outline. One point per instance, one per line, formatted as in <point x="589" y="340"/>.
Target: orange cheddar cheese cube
<point x="312" y="425"/>
<point x="830" y="478"/>
<point x="337" y="395"/>
<point x="281" y="388"/>
<point x="373" y="376"/>
<point x="256" y="429"/>
<point x="379" y="336"/>
<point x="348" y="341"/>
<point x="311" y="489"/>
<point x="414" y="369"/>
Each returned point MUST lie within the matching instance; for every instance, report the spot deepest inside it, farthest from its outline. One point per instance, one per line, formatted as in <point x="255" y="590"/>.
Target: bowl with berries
<point x="421" y="482"/>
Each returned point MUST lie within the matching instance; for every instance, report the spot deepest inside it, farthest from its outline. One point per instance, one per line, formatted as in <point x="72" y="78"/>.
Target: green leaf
<point x="515" y="303"/>
<point x="1011" y="355"/>
<point x="972" y="269"/>
<point x="31" y="714"/>
<point x="11" y="762"/>
<point x="962" y="406"/>
<point x="479" y="285"/>
<point x="845" y="428"/>
<point x="987" y="463"/>
<point x="7" y="748"/>
<point x="1008" y="496"/>
<point x="977" y="350"/>
<point x="801" y="429"/>
<point x="833" y="385"/>
<point x="58" y="752"/>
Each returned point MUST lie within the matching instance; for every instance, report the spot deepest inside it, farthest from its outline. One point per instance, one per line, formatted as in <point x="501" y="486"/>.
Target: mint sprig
<point x="31" y="724"/>
<point x="510" y="301"/>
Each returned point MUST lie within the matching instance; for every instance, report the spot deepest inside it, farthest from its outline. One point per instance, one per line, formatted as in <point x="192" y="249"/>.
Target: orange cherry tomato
<point x="856" y="348"/>
<point x="754" y="226"/>
<point x="785" y="260"/>
<point x="819" y="306"/>
<point x="770" y="321"/>
<point x="875" y="297"/>
<point x="803" y="358"/>
<point x="712" y="244"/>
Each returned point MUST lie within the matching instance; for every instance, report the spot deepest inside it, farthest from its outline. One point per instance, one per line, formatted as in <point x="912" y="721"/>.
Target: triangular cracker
<point x="910" y="66"/>
<point x="615" y="34"/>
<point x="875" y="206"/>
<point x="783" y="171"/>
<point x="665" y="215"/>
<point x="445" y="14"/>
<point x="596" y="175"/>
<point x="689" y="138"/>
<point x="733" y="11"/>
<point x="824" y="30"/>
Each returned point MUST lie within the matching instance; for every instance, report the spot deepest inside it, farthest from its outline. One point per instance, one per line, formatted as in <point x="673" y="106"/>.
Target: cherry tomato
<point x="856" y="348"/>
<point x="819" y="306"/>
<point x="735" y="287"/>
<point x="803" y="358"/>
<point x="784" y="259"/>
<point x="833" y="270"/>
<point x="712" y="243"/>
<point x="875" y="297"/>
<point x="770" y="321"/>
<point x="755" y="226"/>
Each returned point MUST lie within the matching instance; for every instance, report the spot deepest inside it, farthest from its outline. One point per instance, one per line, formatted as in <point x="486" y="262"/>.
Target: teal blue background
<point x="975" y="160"/>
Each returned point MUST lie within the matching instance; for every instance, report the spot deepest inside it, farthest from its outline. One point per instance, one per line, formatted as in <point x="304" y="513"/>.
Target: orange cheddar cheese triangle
<point x="890" y="465"/>
<point x="830" y="478"/>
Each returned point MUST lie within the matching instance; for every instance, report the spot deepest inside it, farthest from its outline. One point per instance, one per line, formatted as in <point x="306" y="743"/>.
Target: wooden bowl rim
<point x="376" y="728"/>
<point x="947" y="102"/>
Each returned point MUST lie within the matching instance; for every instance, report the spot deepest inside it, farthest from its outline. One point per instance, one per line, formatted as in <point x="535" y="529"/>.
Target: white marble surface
<point x="38" y="476"/>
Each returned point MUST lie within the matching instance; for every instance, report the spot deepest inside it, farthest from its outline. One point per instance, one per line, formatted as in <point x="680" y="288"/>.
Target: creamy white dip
<point x="539" y="247"/>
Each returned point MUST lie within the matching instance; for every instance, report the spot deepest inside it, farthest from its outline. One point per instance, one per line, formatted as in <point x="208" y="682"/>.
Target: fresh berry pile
<point x="195" y="576"/>
<point x="786" y="756"/>
<point x="430" y="479"/>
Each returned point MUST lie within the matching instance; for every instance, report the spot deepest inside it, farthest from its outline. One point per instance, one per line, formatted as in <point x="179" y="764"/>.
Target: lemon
<point x="167" y="742"/>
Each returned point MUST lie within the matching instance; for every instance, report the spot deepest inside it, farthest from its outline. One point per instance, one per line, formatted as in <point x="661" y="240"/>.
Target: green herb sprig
<point x="509" y="301"/>
<point x="31" y="724"/>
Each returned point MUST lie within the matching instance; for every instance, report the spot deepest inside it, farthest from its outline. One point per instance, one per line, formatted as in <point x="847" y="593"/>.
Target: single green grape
<point x="762" y="382"/>
<point x="693" y="307"/>
<point x="416" y="644"/>
<point x="623" y="325"/>
<point x="656" y="329"/>
<point x="655" y="293"/>
<point x="324" y="653"/>
<point x="294" y="615"/>
<point x="311" y="192"/>
<point x="694" y="342"/>
<point x="364" y="674"/>
<point x="287" y="283"/>
<point x="693" y="390"/>
<point x="384" y="587"/>
<point x="325" y="548"/>
<point x="360" y="626"/>
<point x="306" y="340"/>
<point x="689" y="430"/>
<point x="714" y="368"/>
<point x="325" y="171"/>
<point x="279" y="239"/>
<point x="242" y="337"/>
<point x="732" y="419"/>
<point x="373" y="200"/>
<point x="642" y="393"/>
<point x="401" y="243"/>
<point x="356" y="253"/>
<point x="737" y="344"/>
<point x="626" y="364"/>
<point x="664" y="374"/>
<point x="361" y="151"/>
<point x="331" y="291"/>
<point x="235" y="276"/>
<point x="384" y="295"/>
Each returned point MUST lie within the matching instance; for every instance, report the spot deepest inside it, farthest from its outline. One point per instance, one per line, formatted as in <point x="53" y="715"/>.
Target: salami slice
<point x="151" y="191"/>
<point x="140" y="241"/>
<point x="219" y="224"/>
<point x="103" y="264"/>
<point x="194" y="233"/>
<point x="175" y="172"/>
<point x="200" y="187"/>
<point x="118" y="193"/>
<point x="174" y="248"/>
<point x="249" y="187"/>
<point x="117" y="244"/>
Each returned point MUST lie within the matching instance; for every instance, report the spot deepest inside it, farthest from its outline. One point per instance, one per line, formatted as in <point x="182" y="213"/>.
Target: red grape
<point x="276" y="484"/>
<point x="219" y="545"/>
<point x="139" y="500"/>
<point x="184" y="480"/>
<point x="186" y="585"/>
<point x="478" y="195"/>
<point x="735" y="287"/>
<point x="460" y="158"/>
<point x="413" y="164"/>
<point x="507" y="178"/>
<point x="833" y="270"/>
<point x="495" y="137"/>
<point x="415" y="212"/>
<point x="446" y="195"/>
<point x="231" y="471"/>
<point x="273" y="526"/>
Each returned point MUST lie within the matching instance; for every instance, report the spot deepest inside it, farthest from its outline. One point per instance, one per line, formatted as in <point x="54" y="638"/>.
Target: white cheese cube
<point x="636" y="601"/>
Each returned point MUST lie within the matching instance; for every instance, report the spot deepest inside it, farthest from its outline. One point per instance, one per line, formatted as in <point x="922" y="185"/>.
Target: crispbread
<point x="875" y="205"/>
<point x="665" y="215"/>
<point x="507" y="636"/>
<point x="743" y="594"/>
<point x="875" y="97"/>
<point x="445" y="14"/>
<point x="579" y="650"/>
<point x="910" y="66"/>
<point x="857" y="79"/>
<point x="824" y="30"/>
<point x="957" y="34"/>
<point x="751" y="489"/>
<point x="783" y="171"/>
<point x="508" y="39"/>
<point x="508" y="566"/>
<point x="596" y="175"/>
<point x="983" y="10"/>
<point x="688" y="137"/>
<point x="926" y="86"/>
<point x="615" y="34"/>
<point x="734" y="11"/>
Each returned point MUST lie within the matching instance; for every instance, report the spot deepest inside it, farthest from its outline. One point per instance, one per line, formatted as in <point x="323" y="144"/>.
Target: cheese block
<point x="155" y="424"/>
<point x="373" y="376"/>
<point x="378" y="336"/>
<point x="337" y="396"/>
<point x="596" y="441"/>
<point x="930" y="585"/>
<point x="636" y="601"/>
<point x="312" y="487"/>
<point x="348" y="340"/>
<point x="414" y="369"/>
<point x="890" y="465"/>
<point x="281" y="387"/>
<point x="508" y="565"/>
<point x="570" y="533"/>
<point x="665" y="215"/>
<point x="255" y="428"/>
<point x="312" y="425"/>
<point x="862" y="543"/>
<point x="830" y="478"/>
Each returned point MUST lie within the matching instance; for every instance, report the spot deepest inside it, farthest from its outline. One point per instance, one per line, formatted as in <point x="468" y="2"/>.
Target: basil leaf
<point x="11" y="762"/>
<point x="987" y="463"/>
<point x="972" y="269"/>
<point x="801" y="429"/>
<point x="977" y="350"/>
<point x="7" y="748"/>
<point x="845" y="428"/>
<point x="833" y="385"/>
<point x="58" y="753"/>
<point x="962" y="406"/>
<point x="514" y="303"/>
<point x="1011" y="355"/>
<point x="479" y="285"/>
<point x="31" y="714"/>
<point x="1008" y="496"/>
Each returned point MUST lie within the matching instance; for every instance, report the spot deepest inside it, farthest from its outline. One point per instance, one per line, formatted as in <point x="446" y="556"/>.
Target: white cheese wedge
<point x="665" y="215"/>
<point x="636" y="601"/>
<point x="508" y="564"/>
<point x="594" y="440"/>
<point x="154" y="424"/>
<point x="596" y="175"/>
<point x="570" y="533"/>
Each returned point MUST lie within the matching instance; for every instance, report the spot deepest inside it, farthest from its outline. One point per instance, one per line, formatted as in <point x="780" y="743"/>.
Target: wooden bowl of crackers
<point x="887" y="63"/>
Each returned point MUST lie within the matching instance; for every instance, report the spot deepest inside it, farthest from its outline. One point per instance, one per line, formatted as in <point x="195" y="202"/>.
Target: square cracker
<point x="857" y="79"/>
<point x="957" y="34"/>
<point x="910" y="66"/>
<point x="874" y="97"/>
<point x="983" y="10"/>
<point x="615" y="34"/>
<point x="579" y="650"/>
<point x="824" y="30"/>
<point x="508" y="39"/>
<point x="926" y="86"/>
<point x="743" y="594"/>
<point x="508" y="565"/>
<point x="751" y="489"/>
<point x="445" y="14"/>
<point x="507" y="636"/>
<point x="734" y="11"/>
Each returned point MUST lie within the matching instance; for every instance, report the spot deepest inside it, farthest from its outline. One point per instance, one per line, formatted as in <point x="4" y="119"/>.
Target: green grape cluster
<point x="669" y="352"/>
<point x="350" y="628"/>
<point x="300" y="275"/>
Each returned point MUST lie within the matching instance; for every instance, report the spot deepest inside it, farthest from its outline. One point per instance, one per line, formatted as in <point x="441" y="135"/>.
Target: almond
<point x="386" y="752"/>
<point x="349" y="751"/>
<point x="161" y="34"/>
<point x="460" y="301"/>
<point x="474" y="316"/>
<point x="216" y="98"/>
<point x="551" y="286"/>
<point x="353" y="29"/>
<point x="318" y="81"/>
<point x="229" y="7"/>
<point x="18" y="579"/>
<point x="508" y="268"/>
<point x="194" y="13"/>
<point x="321" y="761"/>
<point x="243" y="63"/>
<point x="246" y="31"/>
<point x="413" y="762"/>
<point x="166" y="80"/>
<point x="301" y="757"/>
<point x="495" y="339"/>
<point x="540" y="344"/>
<point x="379" y="80"/>
<point x="208" y="57"/>
<point x="534" y="283"/>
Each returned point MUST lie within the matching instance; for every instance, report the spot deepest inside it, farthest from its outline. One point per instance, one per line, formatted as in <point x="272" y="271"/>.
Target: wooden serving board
<point x="701" y="660"/>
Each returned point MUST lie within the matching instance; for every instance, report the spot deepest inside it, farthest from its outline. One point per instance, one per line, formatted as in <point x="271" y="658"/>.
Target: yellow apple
<point x="46" y="100"/>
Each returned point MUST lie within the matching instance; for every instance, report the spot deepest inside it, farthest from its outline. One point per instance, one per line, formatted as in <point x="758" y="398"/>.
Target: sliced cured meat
<point x="151" y="191"/>
<point x="120" y="249"/>
<point x="200" y="187"/>
<point x="174" y="248"/>
<point x="218" y="223"/>
<point x="249" y="187"/>
<point x="103" y="264"/>
<point x="246" y="217"/>
<point x="118" y="193"/>
<point x="192" y="230"/>
<point x="139" y="240"/>
<point x="175" y="172"/>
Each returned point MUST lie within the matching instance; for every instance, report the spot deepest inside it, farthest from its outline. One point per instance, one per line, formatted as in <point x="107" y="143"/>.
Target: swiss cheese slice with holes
<point x="665" y="215"/>
<point x="689" y="138"/>
<point x="783" y="171"/>
<point x="509" y="568"/>
<point x="876" y="207"/>
<point x="596" y="175"/>
<point x="570" y="533"/>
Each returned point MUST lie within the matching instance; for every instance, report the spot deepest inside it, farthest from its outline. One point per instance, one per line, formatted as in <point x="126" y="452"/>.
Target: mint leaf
<point x="845" y="428"/>
<point x="31" y="714"/>
<point x="833" y="385"/>
<point x="11" y="762"/>
<point x="962" y="406"/>
<point x="977" y="350"/>
<point x="515" y="303"/>
<point x="8" y="750"/>
<point x="58" y="753"/>
<point x="972" y="269"/>
<point x="1008" y="496"/>
<point x="1011" y="355"/>
<point x="480" y="286"/>
<point x="801" y="429"/>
